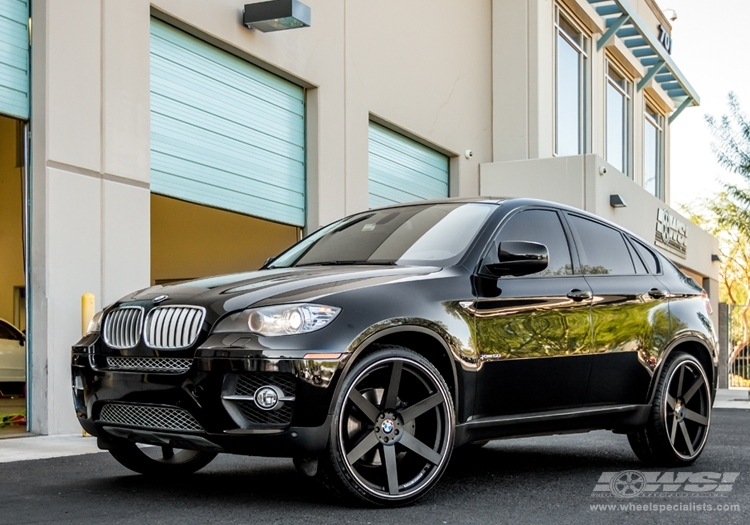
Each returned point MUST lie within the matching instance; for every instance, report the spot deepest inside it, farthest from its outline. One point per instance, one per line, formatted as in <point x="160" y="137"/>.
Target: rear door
<point x="630" y="312"/>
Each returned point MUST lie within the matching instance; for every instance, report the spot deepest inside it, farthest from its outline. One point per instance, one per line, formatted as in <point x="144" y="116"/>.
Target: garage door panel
<point x="382" y="195"/>
<point x="228" y="104"/>
<point x="236" y="199"/>
<point x="218" y="131"/>
<point x="224" y="132"/>
<point x="213" y="62"/>
<point x="404" y="180"/>
<point x="403" y="170"/>
<point x="220" y="172"/>
<point x="14" y="58"/>
<point x="409" y="149"/>
<point x="405" y="163"/>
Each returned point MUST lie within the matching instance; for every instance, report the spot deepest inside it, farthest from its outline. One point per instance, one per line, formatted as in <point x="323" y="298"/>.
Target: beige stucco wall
<point x="90" y="210"/>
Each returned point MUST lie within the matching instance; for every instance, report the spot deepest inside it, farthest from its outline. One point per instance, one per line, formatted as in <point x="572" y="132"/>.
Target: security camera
<point x="468" y="154"/>
<point x="602" y="170"/>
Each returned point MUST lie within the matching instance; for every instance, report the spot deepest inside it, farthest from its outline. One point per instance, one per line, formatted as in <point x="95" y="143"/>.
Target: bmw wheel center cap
<point x="387" y="426"/>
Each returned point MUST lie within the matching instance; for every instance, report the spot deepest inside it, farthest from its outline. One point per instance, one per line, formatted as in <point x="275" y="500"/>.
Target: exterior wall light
<point x="276" y="15"/>
<point x="616" y="201"/>
<point x="715" y="258"/>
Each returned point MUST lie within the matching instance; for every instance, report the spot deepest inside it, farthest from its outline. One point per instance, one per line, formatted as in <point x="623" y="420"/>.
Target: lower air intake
<point x="146" y="416"/>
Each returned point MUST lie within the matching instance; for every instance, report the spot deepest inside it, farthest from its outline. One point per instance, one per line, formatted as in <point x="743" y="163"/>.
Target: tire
<point x="160" y="461"/>
<point x="392" y="431"/>
<point x="680" y="418"/>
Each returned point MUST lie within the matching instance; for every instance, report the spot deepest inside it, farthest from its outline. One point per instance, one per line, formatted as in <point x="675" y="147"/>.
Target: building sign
<point x="665" y="39"/>
<point x="671" y="233"/>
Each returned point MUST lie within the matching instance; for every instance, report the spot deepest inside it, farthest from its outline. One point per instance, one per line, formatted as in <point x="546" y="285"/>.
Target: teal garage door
<point x="224" y="132"/>
<point x="14" y="58"/>
<point x="403" y="170"/>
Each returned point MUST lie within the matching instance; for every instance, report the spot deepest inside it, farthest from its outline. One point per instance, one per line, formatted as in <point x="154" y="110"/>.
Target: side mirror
<point x="519" y="258"/>
<point x="22" y="341"/>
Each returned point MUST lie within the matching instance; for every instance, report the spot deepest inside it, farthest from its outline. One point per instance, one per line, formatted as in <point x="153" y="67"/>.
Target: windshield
<point x="435" y="235"/>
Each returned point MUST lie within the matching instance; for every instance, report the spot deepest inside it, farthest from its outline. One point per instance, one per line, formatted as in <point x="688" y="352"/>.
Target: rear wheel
<point x="160" y="461"/>
<point x="680" y="416"/>
<point x="392" y="432"/>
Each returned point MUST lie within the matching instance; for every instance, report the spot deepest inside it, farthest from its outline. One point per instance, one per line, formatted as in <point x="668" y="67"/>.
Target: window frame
<point x="580" y="248"/>
<point x="659" y="123"/>
<point x="627" y="132"/>
<point x="481" y="268"/>
<point x="584" y="75"/>
<point x="636" y="242"/>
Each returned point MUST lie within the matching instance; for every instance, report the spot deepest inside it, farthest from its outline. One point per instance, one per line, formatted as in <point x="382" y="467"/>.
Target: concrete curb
<point x="732" y="398"/>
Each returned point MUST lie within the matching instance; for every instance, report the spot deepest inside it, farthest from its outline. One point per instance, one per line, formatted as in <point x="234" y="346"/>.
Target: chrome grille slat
<point x="178" y="329"/>
<point x="122" y="327"/>
<point x="171" y="327"/>
<point x="176" y="365"/>
<point x="161" y="418"/>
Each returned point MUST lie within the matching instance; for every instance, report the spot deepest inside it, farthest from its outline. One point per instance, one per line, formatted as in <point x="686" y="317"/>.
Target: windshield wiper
<point x="347" y="263"/>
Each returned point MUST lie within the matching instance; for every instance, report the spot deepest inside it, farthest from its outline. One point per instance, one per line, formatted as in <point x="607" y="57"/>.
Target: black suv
<point x="371" y="349"/>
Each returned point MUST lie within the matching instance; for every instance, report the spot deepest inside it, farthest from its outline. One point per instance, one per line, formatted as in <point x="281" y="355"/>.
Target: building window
<point x="653" y="152"/>
<point x="618" y="120"/>
<point x="571" y="94"/>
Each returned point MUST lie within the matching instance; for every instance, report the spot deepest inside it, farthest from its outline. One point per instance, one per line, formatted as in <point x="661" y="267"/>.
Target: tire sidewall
<point x="336" y="455"/>
<point x="661" y="401"/>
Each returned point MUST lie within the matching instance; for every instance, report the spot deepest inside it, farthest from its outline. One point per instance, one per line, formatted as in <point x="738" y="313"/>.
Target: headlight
<point x="271" y="321"/>
<point x="95" y="325"/>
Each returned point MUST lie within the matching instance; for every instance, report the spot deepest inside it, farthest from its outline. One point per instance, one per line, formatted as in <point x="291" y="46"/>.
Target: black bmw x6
<point x="371" y="349"/>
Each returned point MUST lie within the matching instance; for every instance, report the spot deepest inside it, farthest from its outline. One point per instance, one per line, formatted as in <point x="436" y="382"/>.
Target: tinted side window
<point x="648" y="257"/>
<point x="542" y="226"/>
<point x="603" y="249"/>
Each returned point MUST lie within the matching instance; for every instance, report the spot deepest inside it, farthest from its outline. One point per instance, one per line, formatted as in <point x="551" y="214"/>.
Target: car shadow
<point x="497" y="467"/>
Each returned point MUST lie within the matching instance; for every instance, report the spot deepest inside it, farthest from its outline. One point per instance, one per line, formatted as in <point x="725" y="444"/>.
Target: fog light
<point x="267" y="398"/>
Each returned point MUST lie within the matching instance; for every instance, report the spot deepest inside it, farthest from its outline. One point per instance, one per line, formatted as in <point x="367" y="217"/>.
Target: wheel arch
<point x="691" y="345"/>
<point x="422" y="340"/>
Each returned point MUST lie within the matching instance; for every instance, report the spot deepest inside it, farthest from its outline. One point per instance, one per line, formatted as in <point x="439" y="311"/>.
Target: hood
<point x="228" y="293"/>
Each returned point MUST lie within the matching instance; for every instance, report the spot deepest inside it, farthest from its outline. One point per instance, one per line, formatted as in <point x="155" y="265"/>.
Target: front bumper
<point x="210" y="405"/>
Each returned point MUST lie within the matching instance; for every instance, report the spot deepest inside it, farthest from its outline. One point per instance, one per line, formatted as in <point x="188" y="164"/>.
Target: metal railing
<point x="737" y="345"/>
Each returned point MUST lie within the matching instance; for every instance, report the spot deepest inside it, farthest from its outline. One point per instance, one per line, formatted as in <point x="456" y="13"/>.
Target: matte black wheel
<point x="160" y="461"/>
<point x="681" y="415"/>
<point x="393" y="429"/>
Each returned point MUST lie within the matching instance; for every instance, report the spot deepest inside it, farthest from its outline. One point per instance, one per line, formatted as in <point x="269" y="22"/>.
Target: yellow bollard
<point x="88" y="309"/>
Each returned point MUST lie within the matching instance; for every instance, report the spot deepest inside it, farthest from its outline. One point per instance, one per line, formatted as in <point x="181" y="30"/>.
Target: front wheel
<point x="160" y="461"/>
<point x="392" y="432"/>
<point x="677" y="429"/>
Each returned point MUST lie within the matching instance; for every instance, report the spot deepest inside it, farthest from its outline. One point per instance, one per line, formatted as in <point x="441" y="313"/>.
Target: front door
<point x="533" y="332"/>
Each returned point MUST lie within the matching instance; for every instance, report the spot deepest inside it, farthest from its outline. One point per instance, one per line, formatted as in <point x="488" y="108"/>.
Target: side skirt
<point x="619" y="418"/>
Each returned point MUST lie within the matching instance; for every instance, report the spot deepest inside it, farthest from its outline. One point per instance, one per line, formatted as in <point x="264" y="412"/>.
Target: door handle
<point x="656" y="293"/>
<point x="580" y="295"/>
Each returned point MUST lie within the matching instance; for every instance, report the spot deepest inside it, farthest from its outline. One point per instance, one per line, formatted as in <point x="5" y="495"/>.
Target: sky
<point x="710" y="45"/>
